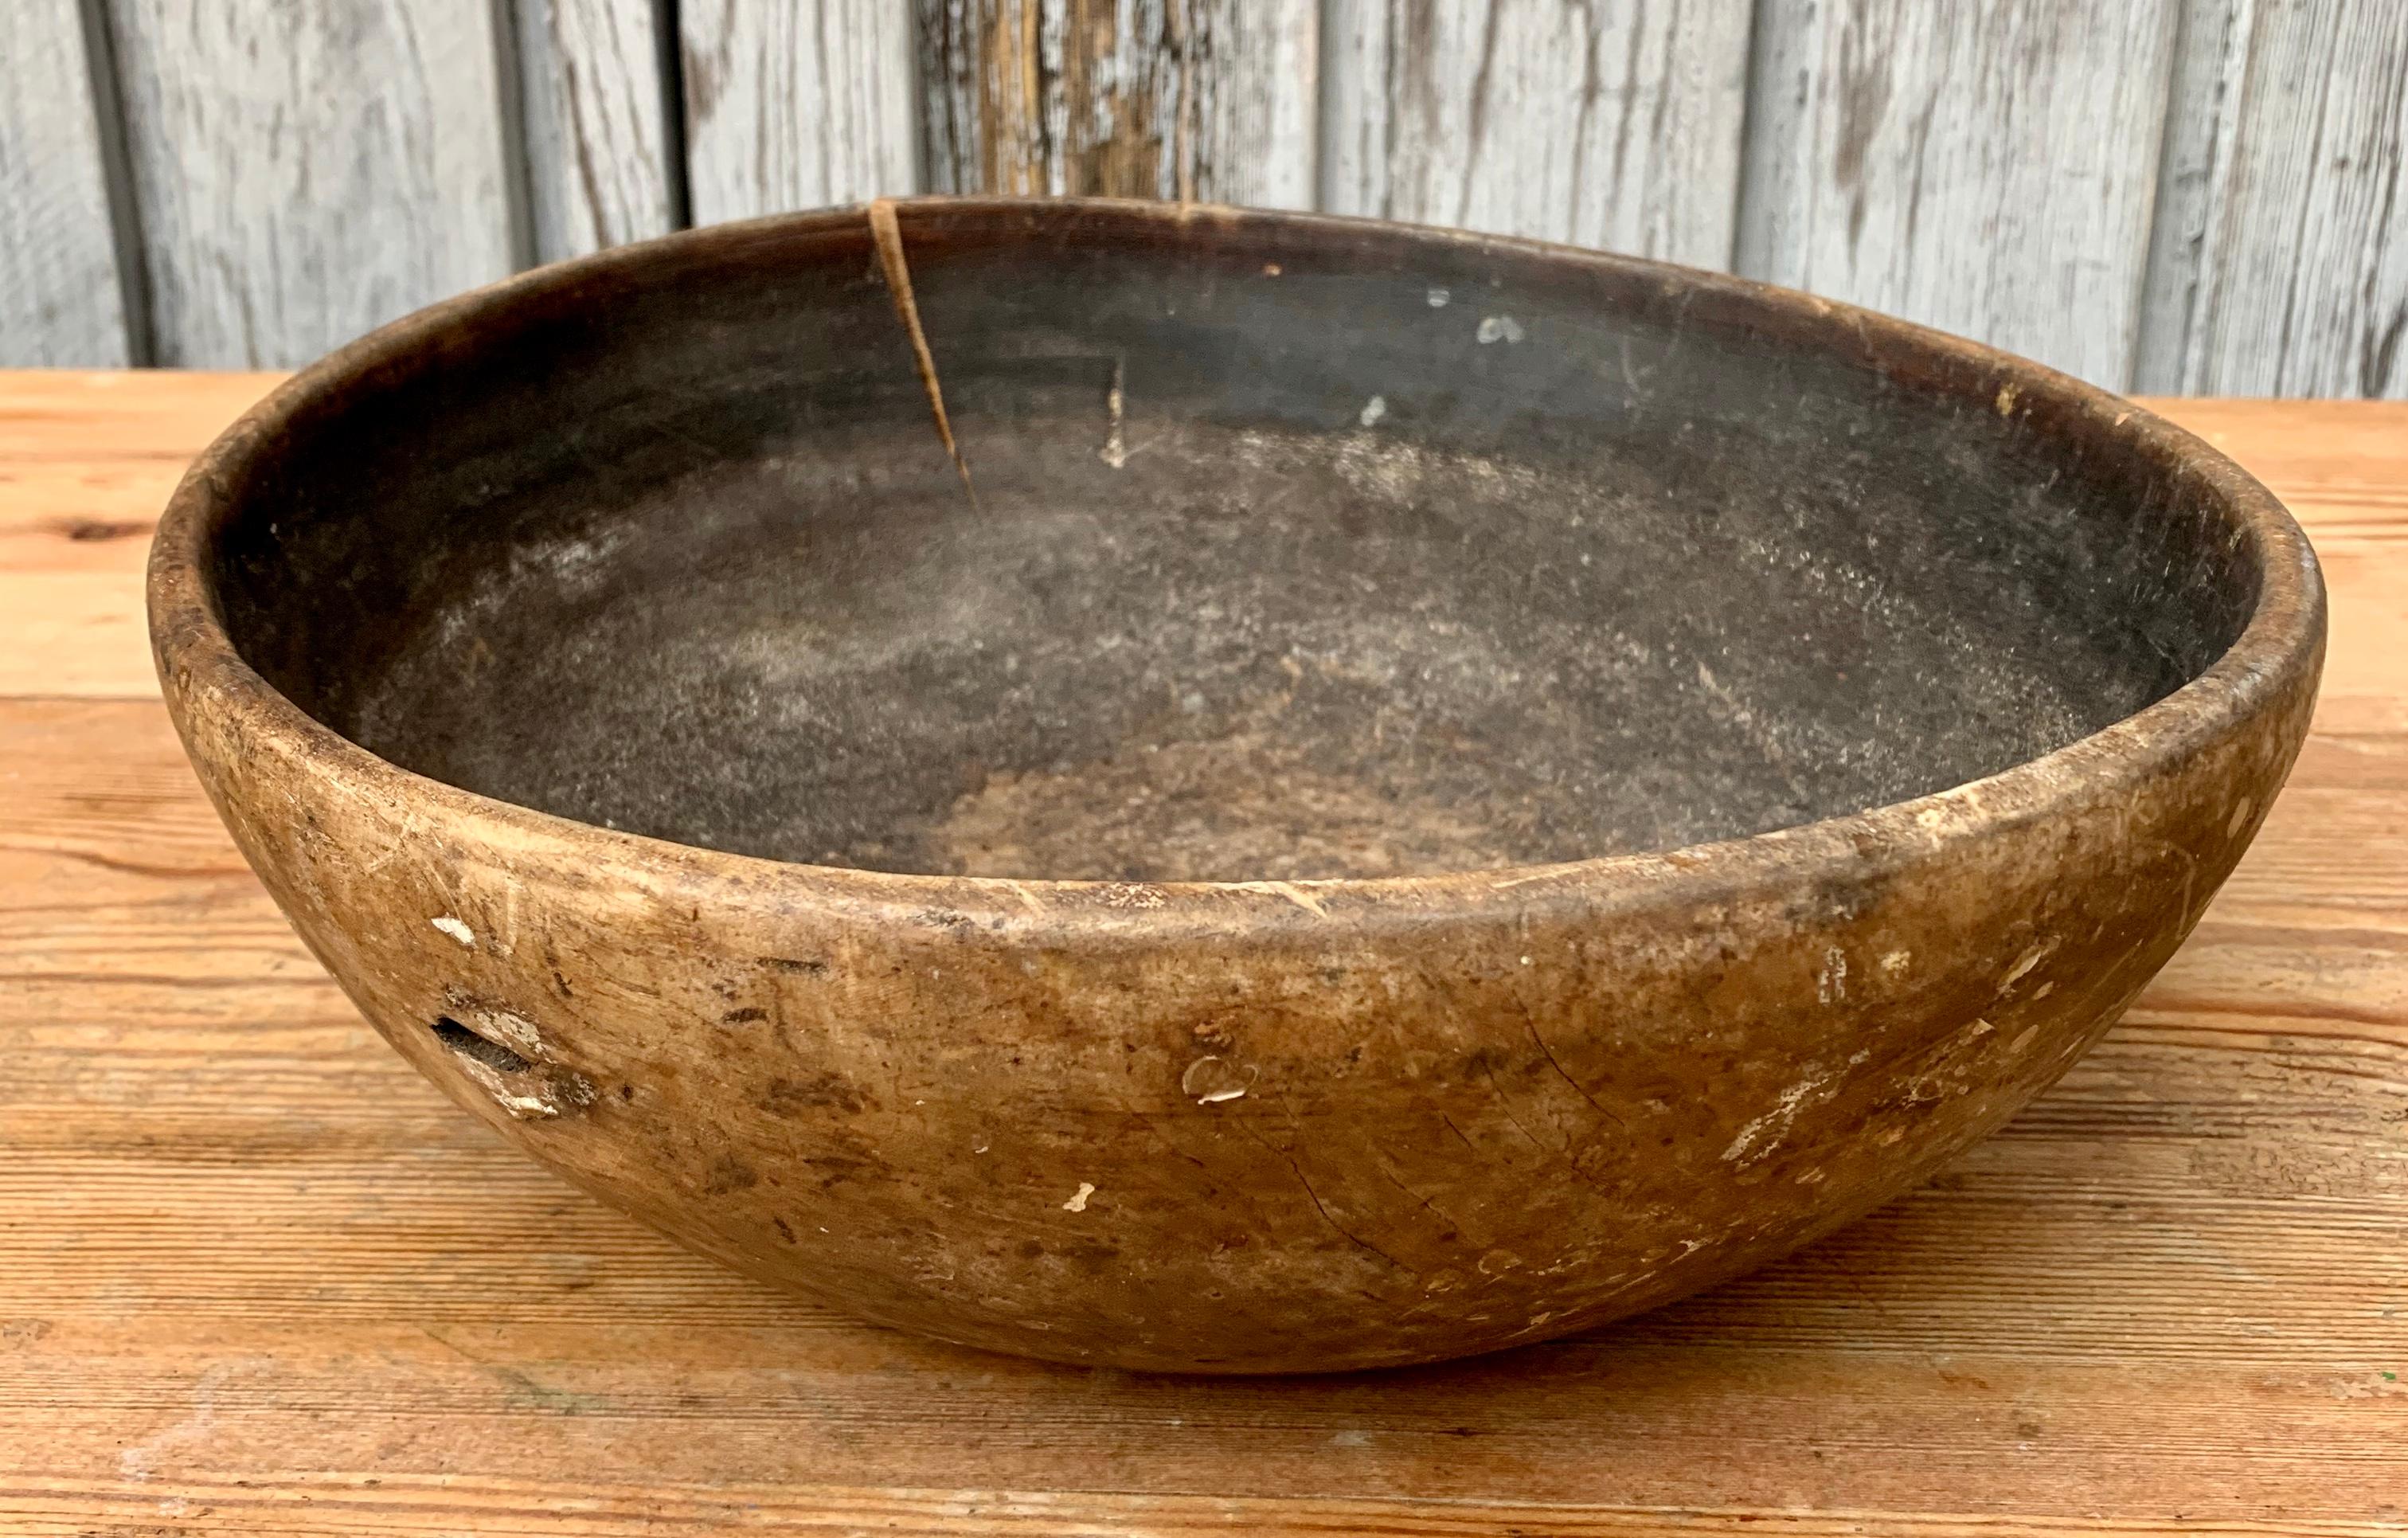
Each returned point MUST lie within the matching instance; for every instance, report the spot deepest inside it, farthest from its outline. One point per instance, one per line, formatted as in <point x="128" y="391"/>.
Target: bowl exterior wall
<point x="1245" y="1128"/>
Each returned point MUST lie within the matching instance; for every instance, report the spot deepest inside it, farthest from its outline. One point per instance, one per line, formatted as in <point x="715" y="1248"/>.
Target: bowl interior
<point x="1291" y="549"/>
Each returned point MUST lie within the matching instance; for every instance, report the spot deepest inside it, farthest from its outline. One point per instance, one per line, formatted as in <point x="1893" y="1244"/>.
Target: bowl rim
<point x="2282" y="639"/>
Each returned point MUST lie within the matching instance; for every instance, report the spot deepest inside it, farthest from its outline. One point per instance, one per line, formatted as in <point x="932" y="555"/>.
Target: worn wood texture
<point x="1610" y="123"/>
<point x="305" y="173"/>
<point x="600" y="161"/>
<point x="2175" y="194"/>
<point x="1194" y="99"/>
<point x="1987" y="169"/>
<point x="1364" y="1125"/>
<point x="2295" y="123"/>
<point x="796" y="106"/>
<point x="86" y="462"/>
<point x="60" y="298"/>
<point x="255" y="1274"/>
<point x="2196" y="92"/>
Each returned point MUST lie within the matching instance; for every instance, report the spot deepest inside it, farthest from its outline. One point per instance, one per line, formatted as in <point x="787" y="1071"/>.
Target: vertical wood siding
<point x="60" y="299"/>
<point x="796" y="103"/>
<point x="2197" y="195"/>
<point x="1200" y="99"/>
<point x="1987" y="169"/>
<point x="1605" y="122"/>
<point x="597" y="143"/>
<point x="2296" y="283"/>
<point x="304" y="172"/>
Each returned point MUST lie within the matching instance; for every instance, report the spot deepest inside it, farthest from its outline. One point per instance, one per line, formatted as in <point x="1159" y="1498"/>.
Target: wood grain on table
<point x="255" y="1274"/>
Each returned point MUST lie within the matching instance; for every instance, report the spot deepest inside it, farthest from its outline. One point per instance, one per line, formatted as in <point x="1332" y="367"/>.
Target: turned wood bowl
<point x="1245" y="792"/>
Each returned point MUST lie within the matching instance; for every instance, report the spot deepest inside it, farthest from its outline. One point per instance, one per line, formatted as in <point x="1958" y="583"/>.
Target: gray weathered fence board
<point x="2205" y="51"/>
<point x="1214" y="100"/>
<point x="2199" y="196"/>
<point x="796" y="103"/>
<point x="304" y="172"/>
<point x="2302" y="285"/>
<point x="60" y="300"/>
<point x="597" y="136"/>
<point x="1257" y="81"/>
<point x="1609" y="123"/>
<point x="1990" y="169"/>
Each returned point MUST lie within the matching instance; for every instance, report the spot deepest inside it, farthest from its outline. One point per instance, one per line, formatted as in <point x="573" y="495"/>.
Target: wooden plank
<point x="305" y="173"/>
<point x="255" y="1274"/>
<point x="351" y="1504"/>
<point x="1210" y="100"/>
<point x="2297" y="283"/>
<point x="2341" y="468"/>
<point x="61" y="303"/>
<point x="87" y="461"/>
<point x="1987" y="169"/>
<point x="1608" y="123"/>
<point x="98" y="418"/>
<point x="797" y="105"/>
<point x="599" y="154"/>
<point x="2205" y="50"/>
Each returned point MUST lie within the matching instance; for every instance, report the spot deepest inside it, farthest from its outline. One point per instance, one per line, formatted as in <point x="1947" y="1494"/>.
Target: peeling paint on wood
<point x="798" y="105"/>
<point x="1608" y="123"/>
<point x="2296" y="283"/>
<point x="59" y="301"/>
<point x="1987" y="170"/>
<point x="1210" y="100"/>
<point x="2203" y="54"/>
<point x="2195" y="195"/>
<point x="305" y="173"/>
<point x="597" y="146"/>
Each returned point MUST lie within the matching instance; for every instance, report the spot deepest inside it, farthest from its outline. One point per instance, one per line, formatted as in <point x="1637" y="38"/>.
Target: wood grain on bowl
<point x="1373" y="795"/>
<point x="257" y="1275"/>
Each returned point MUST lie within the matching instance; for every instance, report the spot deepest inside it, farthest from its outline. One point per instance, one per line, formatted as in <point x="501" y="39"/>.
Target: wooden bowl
<point x="1408" y="793"/>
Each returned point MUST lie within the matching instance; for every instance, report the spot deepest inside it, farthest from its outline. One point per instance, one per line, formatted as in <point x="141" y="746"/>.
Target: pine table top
<point x="257" y="1275"/>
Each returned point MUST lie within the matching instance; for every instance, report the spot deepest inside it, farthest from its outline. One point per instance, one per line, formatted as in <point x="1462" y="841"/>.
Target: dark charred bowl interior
<point x="1297" y="549"/>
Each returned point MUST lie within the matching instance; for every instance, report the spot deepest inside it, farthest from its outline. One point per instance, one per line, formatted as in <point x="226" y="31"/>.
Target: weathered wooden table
<point x="255" y="1274"/>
